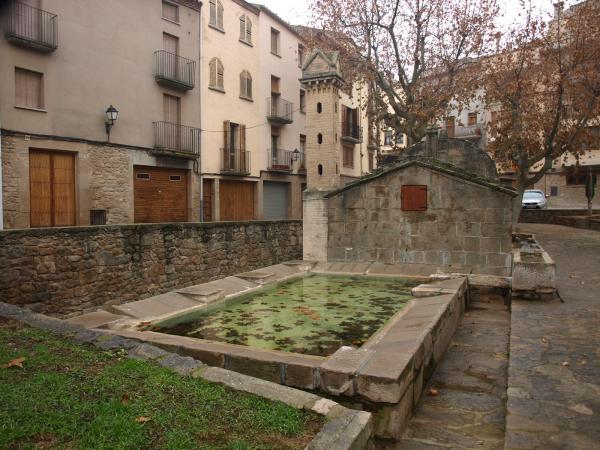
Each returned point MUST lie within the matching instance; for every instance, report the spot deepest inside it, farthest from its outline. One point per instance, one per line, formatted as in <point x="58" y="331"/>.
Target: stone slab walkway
<point x="469" y="408"/>
<point x="554" y="375"/>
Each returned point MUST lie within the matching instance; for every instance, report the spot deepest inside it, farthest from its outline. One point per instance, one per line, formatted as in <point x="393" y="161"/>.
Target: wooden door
<point x="172" y="117"/>
<point x="207" y="194"/>
<point x="236" y="200"/>
<point x="171" y="46"/>
<point x="160" y="195"/>
<point x="52" y="189"/>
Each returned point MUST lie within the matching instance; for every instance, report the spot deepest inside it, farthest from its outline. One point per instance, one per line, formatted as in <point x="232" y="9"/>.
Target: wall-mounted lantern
<point x="111" y="118"/>
<point x="295" y="155"/>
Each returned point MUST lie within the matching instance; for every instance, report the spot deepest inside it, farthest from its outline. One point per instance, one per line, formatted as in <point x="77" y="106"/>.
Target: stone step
<point x="96" y="319"/>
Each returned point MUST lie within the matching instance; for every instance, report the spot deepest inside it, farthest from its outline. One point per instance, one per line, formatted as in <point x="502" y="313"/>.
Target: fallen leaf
<point x="583" y="362"/>
<point x="125" y="399"/>
<point x="142" y="419"/>
<point x="544" y="340"/>
<point x="566" y="363"/>
<point x="18" y="362"/>
<point x="433" y="392"/>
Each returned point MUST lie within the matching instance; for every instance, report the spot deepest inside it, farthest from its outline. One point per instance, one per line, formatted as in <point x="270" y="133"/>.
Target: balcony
<point x="235" y="161"/>
<point x="351" y="133"/>
<point x="279" y="160"/>
<point x="171" y="139"/>
<point x="302" y="163"/>
<point x="31" y="27"/>
<point x="174" y="71"/>
<point x="469" y="131"/>
<point x="280" y="111"/>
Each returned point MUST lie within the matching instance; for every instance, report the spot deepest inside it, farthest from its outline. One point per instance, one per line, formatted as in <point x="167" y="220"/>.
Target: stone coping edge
<point x="345" y="429"/>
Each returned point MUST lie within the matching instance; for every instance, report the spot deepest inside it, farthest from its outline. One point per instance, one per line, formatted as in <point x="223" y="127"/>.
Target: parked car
<point x="534" y="199"/>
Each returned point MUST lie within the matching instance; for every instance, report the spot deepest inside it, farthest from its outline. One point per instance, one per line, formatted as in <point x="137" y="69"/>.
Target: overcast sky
<point x="297" y="12"/>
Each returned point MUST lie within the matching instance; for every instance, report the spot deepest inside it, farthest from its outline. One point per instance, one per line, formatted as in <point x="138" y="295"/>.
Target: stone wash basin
<point x="358" y="331"/>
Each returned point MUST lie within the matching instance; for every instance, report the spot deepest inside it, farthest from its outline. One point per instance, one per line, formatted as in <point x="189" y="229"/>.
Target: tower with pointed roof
<point x="322" y="80"/>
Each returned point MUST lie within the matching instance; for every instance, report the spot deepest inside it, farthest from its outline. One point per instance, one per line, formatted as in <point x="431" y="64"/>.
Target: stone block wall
<point x="550" y="216"/>
<point x="467" y="227"/>
<point x="66" y="271"/>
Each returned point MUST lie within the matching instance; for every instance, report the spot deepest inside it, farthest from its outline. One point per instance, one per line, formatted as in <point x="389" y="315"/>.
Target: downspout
<point x="200" y="115"/>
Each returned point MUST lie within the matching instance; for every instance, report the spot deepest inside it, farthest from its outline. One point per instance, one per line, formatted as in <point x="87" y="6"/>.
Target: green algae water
<point x="314" y="315"/>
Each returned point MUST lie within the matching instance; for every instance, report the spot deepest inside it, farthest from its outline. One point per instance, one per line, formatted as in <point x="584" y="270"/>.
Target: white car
<point x="534" y="199"/>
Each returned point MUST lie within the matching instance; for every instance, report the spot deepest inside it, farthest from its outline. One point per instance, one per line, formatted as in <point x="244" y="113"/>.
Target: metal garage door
<point x="160" y="194"/>
<point x="275" y="203"/>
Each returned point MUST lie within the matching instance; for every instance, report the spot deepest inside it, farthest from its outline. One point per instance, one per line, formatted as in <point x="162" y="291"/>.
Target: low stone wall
<point x="66" y="271"/>
<point x="583" y="222"/>
<point x="549" y="215"/>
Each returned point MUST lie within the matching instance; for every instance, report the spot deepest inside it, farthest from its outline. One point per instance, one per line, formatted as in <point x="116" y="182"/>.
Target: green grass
<point x="74" y="396"/>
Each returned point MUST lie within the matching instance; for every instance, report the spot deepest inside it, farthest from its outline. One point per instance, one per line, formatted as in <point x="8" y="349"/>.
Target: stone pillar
<point x="316" y="225"/>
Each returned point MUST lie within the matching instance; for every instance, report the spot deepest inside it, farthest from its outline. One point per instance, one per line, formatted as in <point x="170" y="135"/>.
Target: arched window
<point x="245" y="29"/>
<point x="217" y="79"/>
<point x="216" y="14"/>
<point x="246" y="85"/>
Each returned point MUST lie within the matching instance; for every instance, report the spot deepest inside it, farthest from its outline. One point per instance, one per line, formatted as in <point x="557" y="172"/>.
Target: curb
<point x="346" y="429"/>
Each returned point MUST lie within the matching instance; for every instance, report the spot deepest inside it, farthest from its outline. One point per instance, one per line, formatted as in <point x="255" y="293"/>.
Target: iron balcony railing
<point x="351" y="132"/>
<point x="280" y="110"/>
<point x="31" y="27"/>
<point x="235" y="161"/>
<point x="468" y="131"/>
<point x="279" y="159"/>
<point x="176" y="140"/>
<point x="174" y="70"/>
<point x="302" y="162"/>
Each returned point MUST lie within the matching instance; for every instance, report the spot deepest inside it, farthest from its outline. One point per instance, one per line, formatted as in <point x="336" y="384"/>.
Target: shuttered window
<point x="246" y="85"/>
<point x="170" y="11"/>
<point x="414" y="198"/>
<point x="29" y="89"/>
<point x="245" y="29"/>
<point x="274" y="41"/>
<point x="217" y="74"/>
<point x="348" y="157"/>
<point x="216" y="14"/>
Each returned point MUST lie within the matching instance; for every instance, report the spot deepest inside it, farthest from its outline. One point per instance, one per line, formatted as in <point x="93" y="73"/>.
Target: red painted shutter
<point x="414" y="198"/>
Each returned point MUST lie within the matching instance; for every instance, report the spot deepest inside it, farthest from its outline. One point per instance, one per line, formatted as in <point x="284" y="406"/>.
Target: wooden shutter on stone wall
<point x="414" y="198"/>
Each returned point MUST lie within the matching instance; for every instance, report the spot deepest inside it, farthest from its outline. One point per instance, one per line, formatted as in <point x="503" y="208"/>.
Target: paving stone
<point x="158" y="306"/>
<point x="95" y="319"/>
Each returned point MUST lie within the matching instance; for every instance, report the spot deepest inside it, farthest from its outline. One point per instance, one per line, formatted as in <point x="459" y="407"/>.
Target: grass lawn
<point x="76" y="396"/>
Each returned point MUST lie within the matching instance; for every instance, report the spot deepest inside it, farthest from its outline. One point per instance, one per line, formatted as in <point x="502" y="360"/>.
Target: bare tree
<point x="412" y="50"/>
<point x="543" y="87"/>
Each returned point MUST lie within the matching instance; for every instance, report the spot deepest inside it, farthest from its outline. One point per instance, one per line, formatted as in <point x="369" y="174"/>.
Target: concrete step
<point x="96" y="319"/>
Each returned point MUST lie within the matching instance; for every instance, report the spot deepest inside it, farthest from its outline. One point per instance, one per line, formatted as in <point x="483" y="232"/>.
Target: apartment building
<point x="99" y="111"/>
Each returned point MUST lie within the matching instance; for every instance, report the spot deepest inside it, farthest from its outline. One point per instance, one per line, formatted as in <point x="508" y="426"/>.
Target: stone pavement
<point x="470" y="382"/>
<point x="554" y="374"/>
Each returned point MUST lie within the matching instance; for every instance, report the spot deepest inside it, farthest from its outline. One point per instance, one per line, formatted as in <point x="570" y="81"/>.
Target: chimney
<point x="558" y="8"/>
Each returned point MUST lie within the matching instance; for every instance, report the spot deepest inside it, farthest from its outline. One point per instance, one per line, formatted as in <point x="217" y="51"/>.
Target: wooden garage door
<point x="160" y="194"/>
<point x="236" y="200"/>
<point x="52" y="188"/>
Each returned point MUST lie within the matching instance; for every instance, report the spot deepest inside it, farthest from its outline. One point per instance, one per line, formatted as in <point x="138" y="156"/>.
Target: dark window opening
<point x="554" y="191"/>
<point x="320" y="138"/>
<point x="320" y="169"/>
<point x="175" y="177"/>
<point x="97" y="217"/>
<point x="319" y="108"/>
<point x="143" y="176"/>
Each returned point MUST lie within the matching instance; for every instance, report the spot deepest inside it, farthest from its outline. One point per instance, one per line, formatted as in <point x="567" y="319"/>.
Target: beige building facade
<point x="59" y="75"/>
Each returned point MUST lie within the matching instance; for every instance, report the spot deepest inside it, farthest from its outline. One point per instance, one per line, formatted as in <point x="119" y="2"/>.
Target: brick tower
<point x="322" y="79"/>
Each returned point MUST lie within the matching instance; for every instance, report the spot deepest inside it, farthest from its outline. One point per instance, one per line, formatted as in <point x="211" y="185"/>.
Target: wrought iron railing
<point x="235" y="161"/>
<point x="351" y="131"/>
<point x="175" y="138"/>
<point x="279" y="159"/>
<point x="468" y="131"/>
<point x="33" y="27"/>
<point x="280" y="110"/>
<point x="174" y="70"/>
<point x="302" y="162"/>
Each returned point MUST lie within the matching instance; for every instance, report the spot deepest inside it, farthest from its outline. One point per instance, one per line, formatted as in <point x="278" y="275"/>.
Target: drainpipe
<point x="200" y="115"/>
<point x="1" y="197"/>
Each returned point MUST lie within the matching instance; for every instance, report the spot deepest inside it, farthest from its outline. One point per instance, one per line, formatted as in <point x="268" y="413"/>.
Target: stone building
<point x="423" y="210"/>
<point x="60" y="74"/>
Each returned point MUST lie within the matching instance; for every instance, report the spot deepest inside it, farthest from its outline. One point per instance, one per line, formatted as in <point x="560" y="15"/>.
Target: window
<point x="143" y="176"/>
<point x="554" y="191"/>
<point x="371" y="156"/>
<point x="319" y="108"/>
<point x="414" y="198"/>
<point x="246" y="85"/>
<point x="29" y="89"/>
<point x="399" y="138"/>
<point x="216" y="14"/>
<point x="320" y="138"/>
<point x="274" y="41"/>
<point x="274" y="84"/>
<point x="301" y="52"/>
<point x="246" y="30"/>
<point x="472" y="119"/>
<point x="170" y="12"/>
<point x="577" y="179"/>
<point x="450" y="129"/>
<point x="302" y="101"/>
<point x="175" y="178"/>
<point x="388" y="138"/>
<point x="216" y="75"/>
<point x="348" y="156"/>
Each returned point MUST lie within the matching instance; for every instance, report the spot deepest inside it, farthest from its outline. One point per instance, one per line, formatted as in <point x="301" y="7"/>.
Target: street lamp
<point x="111" y="118"/>
<point x="295" y="155"/>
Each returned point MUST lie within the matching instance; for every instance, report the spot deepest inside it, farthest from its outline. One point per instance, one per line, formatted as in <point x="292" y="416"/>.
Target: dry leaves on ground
<point x="18" y="362"/>
<point x="142" y="419"/>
